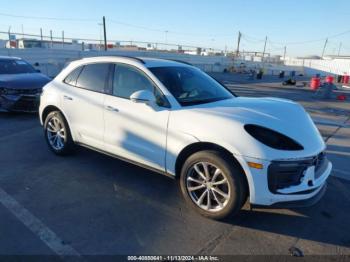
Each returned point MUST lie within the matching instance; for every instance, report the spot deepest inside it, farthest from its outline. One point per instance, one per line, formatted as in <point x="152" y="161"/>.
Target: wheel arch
<point x="50" y="108"/>
<point x="201" y="146"/>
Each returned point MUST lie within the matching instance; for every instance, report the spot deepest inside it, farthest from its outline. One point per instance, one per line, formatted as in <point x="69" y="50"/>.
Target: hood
<point x="256" y="109"/>
<point x="24" y="81"/>
<point x="226" y="119"/>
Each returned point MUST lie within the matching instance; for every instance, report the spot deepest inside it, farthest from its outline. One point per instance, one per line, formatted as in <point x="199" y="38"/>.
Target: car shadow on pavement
<point x="326" y="222"/>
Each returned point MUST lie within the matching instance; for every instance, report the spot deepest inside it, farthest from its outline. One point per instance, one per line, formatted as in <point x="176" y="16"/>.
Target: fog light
<point x="255" y="165"/>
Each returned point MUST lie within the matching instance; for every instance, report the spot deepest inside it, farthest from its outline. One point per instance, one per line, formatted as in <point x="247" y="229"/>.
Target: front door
<point x="135" y="131"/>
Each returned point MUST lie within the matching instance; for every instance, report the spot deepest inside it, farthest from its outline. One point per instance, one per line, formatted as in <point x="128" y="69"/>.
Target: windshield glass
<point x="190" y="86"/>
<point x="15" y="67"/>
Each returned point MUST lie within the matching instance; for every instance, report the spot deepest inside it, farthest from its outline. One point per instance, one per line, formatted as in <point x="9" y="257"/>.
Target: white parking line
<point x="341" y="174"/>
<point x="36" y="226"/>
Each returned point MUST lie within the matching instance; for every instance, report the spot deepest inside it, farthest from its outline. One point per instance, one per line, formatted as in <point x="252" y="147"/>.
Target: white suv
<point x="174" y="119"/>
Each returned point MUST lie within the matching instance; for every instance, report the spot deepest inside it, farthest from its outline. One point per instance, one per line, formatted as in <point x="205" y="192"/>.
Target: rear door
<point x="83" y="102"/>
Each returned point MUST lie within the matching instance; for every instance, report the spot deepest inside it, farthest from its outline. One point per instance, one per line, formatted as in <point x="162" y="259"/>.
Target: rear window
<point x="93" y="77"/>
<point x="71" y="79"/>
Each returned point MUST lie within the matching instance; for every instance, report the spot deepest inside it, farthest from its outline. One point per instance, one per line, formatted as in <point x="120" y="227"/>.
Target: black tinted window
<point x="71" y="79"/>
<point x="93" y="77"/>
<point x="128" y="80"/>
<point x="15" y="67"/>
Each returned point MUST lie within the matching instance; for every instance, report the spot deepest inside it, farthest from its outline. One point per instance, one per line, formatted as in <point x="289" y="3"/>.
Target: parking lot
<point x="92" y="204"/>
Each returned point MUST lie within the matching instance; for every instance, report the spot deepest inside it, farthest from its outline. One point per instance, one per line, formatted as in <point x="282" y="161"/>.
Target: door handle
<point x="68" y="98"/>
<point x="112" y="109"/>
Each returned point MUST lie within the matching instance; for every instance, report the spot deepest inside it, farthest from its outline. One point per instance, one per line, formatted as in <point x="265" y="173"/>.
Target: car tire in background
<point x="217" y="175"/>
<point x="57" y="133"/>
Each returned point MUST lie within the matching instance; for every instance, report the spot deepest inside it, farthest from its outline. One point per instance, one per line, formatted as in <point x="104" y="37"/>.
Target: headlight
<point x="272" y="138"/>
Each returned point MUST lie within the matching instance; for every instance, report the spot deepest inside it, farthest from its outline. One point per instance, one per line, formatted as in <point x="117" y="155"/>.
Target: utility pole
<point x="264" y="48"/>
<point x="238" y="42"/>
<point x="339" y="48"/>
<point x="41" y="34"/>
<point x="51" y="38"/>
<point x="9" y="33"/>
<point x="104" y="32"/>
<point x="324" y="48"/>
<point x="285" y="52"/>
<point x="62" y="39"/>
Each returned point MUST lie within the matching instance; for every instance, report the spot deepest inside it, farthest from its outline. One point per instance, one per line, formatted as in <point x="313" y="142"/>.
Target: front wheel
<point x="57" y="133"/>
<point x="213" y="184"/>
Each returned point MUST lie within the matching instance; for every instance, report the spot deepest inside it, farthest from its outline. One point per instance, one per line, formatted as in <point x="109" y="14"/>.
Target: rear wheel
<point x="213" y="184"/>
<point x="57" y="133"/>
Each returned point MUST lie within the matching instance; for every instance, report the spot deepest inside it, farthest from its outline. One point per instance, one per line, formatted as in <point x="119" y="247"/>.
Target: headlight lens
<point x="272" y="138"/>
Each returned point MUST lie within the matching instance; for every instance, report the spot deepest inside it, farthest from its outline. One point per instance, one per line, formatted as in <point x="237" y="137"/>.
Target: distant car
<point x="174" y="119"/>
<point x="20" y="85"/>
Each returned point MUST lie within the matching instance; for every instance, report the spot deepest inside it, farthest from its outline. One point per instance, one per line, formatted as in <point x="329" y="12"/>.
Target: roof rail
<point x="132" y="57"/>
<point x="180" y="61"/>
<point x="121" y="56"/>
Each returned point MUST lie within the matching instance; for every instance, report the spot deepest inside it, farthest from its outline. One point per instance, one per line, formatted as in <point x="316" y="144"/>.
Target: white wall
<point x="323" y="67"/>
<point x="52" y="60"/>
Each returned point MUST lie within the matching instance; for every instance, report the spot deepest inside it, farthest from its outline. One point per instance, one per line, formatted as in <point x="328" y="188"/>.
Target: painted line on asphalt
<point x="36" y="226"/>
<point x="341" y="174"/>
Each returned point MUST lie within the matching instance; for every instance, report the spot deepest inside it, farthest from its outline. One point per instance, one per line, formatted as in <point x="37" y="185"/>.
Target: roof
<point x="146" y="61"/>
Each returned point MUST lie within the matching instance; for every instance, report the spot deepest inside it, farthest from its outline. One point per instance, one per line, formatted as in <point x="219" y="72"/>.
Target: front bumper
<point x="20" y="103"/>
<point x="302" y="186"/>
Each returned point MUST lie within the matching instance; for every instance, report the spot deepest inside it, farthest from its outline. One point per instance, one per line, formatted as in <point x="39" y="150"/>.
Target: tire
<point x="56" y="125"/>
<point x="234" y="189"/>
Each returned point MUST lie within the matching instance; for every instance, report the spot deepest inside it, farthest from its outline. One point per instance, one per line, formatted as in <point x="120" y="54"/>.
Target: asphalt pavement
<point x="92" y="204"/>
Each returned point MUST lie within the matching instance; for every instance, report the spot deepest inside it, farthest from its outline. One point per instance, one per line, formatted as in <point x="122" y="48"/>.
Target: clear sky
<point x="195" y="22"/>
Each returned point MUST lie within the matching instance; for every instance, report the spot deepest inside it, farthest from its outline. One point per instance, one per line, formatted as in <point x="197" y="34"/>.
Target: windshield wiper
<point x="201" y="101"/>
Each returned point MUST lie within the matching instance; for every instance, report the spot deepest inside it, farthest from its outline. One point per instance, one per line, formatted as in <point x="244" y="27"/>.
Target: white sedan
<point x="174" y="119"/>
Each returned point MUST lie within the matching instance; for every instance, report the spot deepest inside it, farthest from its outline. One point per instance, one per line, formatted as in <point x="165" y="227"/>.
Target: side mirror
<point x="38" y="70"/>
<point x="143" y="96"/>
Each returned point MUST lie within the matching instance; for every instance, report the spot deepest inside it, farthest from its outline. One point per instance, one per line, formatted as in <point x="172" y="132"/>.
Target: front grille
<point x="26" y="104"/>
<point x="10" y="91"/>
<point x="320" y="163"/>
<point x="29" y="91"/>
<point x="283" y="174"/>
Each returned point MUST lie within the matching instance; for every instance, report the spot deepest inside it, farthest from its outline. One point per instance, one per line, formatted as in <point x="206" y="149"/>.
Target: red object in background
<point x="13" y="44"/>
<point x="315" y="83"/>
<point x="346" y="79"/>
<point x="330" y="79"/>
<point x="341" y="97"/>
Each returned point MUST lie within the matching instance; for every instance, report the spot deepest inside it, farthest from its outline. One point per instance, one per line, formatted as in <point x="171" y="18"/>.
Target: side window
<point x="71" y="79"/>
<point x="128" y="80"/>
<point x="93" y="77"/>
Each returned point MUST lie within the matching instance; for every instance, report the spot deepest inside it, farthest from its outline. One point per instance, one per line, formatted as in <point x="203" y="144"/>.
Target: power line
<point x="245" y="37"/>
<point x="49" y="18"/>
<point x="252" y="39"/>
<point x="314" y="40"/>
<point x="167" y="31"/>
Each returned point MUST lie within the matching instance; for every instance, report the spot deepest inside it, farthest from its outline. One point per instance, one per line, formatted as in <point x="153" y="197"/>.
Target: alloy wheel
<point x="208" y="186"/>
<point x="56" y="133"/>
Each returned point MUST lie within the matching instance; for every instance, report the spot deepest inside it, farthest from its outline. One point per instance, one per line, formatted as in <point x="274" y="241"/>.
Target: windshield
<point x="15" y="67"/>
<point x="190" y="86"/>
